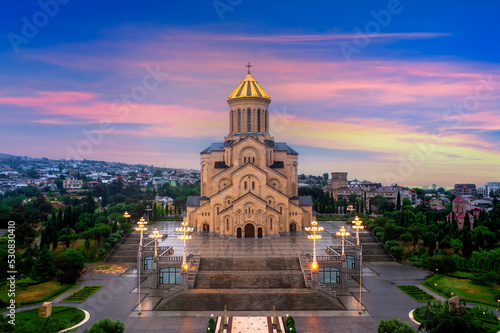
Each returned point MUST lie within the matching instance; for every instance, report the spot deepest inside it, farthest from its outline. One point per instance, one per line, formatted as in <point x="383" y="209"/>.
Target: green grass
<point x="37" y="293"/>
<point x="416" y="293"/>
<point x="468" y="292"/>
<point x="62" y="317"/>
<point x="82" y="294"/>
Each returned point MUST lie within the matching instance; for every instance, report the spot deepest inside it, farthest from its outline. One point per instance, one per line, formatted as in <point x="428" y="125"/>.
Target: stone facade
<point x="249" y="181"/>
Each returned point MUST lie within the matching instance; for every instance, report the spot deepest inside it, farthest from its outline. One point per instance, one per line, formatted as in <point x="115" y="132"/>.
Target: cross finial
<point x="248" y="67"/>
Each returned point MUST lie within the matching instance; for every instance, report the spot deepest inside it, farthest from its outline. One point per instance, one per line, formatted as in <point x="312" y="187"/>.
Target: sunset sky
<point x="389" y="91"/>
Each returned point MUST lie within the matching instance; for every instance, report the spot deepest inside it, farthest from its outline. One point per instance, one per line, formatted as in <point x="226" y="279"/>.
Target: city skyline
<point x="411" y="103"/>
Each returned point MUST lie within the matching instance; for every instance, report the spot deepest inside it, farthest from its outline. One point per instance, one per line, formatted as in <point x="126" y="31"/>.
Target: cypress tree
<point x="467" y="248"/>
<point x="398" y="203"/>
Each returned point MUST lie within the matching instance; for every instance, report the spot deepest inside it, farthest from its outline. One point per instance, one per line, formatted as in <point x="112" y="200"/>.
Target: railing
<point x="170" y="259"/>
<point x="329" y="258"/>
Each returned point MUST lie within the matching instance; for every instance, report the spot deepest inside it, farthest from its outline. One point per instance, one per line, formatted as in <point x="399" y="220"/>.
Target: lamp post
<point x="350" y="208"/>
<point x="342" y="233"/>
<point x="314" y="228"/>
<point x="148" y="209"/>
<point x="357" y="225"/>
<point x="140" y="228"/>
<point x="184" y="229"/>
<point x="127" y="216"/>
<point x="155" y="235"/>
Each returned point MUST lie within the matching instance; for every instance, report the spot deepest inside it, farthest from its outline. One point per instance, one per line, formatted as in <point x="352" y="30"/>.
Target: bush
<point x="22" y="284"/>
<point x="394" y="325"/>
<point x="484" y="279"/>
<point x="107" y="325"/>
<point x="397" y="252"/>
<point x="461" y="275"/>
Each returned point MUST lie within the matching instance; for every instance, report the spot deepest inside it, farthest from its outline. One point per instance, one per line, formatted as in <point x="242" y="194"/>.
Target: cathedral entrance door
<point x="238" y="233"/>
<point x="249" y="231"/>
<point x="259" y="232"/>
<point x="206" y="228"/>
<point x="293" y="228"/>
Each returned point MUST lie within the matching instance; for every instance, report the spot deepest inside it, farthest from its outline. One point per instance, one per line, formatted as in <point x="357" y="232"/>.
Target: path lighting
<point x="357" y="225"/>
<point x="155" y="235"/>
<point x="140" y="228"/>
<point x="148" y="209"/>
<point x="314" y="228"/>
<point x="342" y="233"/>
<point x="126" y="215"/>
<point x="184" y="229"/>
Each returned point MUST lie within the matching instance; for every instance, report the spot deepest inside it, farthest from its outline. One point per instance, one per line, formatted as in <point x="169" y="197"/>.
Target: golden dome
<point x="248" y="88"/>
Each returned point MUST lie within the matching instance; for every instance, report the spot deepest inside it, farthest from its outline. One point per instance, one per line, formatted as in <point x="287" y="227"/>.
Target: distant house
<point x="71" y="183"/>
<point x="92" y="184"/>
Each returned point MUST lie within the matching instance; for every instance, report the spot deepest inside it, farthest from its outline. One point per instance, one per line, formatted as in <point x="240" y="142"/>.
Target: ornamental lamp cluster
<point x="314" y="228"/>
<point x="155" y="235"/>
<point x="184" y="237"/>
<point x="357" y="225"/>
<point x="342" y="233"/>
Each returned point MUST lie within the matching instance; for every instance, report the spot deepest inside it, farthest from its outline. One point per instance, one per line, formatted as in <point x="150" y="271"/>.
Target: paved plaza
<point x="381" y="299"/>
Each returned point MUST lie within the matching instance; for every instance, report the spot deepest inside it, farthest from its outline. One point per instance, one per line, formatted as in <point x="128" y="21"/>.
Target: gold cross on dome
<point x="248" y="67"/>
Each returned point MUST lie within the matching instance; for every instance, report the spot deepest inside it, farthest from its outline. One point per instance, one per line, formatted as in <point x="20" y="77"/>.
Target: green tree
<point x="44" y="267"/>
<point x="107" y="325"/>
<point x="70" y="264"/>
<point x="394" y="325"/>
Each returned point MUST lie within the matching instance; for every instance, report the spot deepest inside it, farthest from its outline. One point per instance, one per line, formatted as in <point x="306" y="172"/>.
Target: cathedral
<point x="249" y="181"/>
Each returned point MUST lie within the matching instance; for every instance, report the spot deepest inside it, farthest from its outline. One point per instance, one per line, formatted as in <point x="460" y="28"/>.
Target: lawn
<point x="82" y="294"/>
<point x="62" y="317"/>
<point x="468" y="292"/>
<point x="37" y="293"/>
<point x="416" y="293"/>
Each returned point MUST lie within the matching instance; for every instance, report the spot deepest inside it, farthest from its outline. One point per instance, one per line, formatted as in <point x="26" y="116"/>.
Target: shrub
<point x="22" y="284"/>
<point x="397" y="252"/>
<point x="107" y="325"/>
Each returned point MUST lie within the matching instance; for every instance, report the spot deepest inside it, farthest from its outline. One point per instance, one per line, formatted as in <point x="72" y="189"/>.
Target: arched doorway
<point x="238" y="233"/>
<point x="293" y="228"/>
<point x="249" y="231"/>
<point x="259" y="232"/>
<point x="206" y="228"/>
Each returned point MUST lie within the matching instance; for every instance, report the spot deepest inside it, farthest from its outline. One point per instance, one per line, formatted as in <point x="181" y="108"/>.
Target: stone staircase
<point x="126" y="251"/>
<point x="373" y="250"/>
<point x="249" y="284"/>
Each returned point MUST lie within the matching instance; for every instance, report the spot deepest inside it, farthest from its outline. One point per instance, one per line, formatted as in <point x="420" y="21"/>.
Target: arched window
<point x="281" y="209"/>
<point x="271" y="223"/>
<point x="239" y="120"/>
<point x="265" y="121"/>
<point x="249" y="120"/>
<point x="232" y="125"/>
<point x="253" y="185"/>
<point x="170" y="275"/>
<point x="253" y="160"/>
<point x="244" y="159"/>
<point x="227" y="223"/>
<point x="329" y="275"/>
<point x="258" y="120"/>
<point x="218" y="210"/>
<point x="245" y="185"/>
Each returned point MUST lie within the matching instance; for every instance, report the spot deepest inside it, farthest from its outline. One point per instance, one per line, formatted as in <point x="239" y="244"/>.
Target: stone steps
<point x="249" y="300"/>
<point x="249" y="279"/>
<point x="249" y="264"/>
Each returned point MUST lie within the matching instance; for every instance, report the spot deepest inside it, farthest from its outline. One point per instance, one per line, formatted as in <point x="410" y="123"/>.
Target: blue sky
<point x="394" y="109"/>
